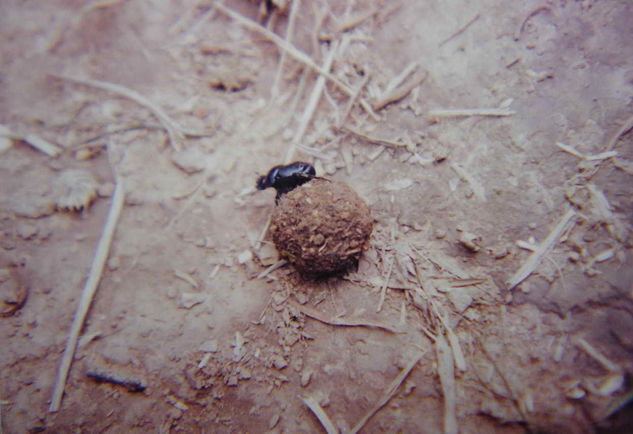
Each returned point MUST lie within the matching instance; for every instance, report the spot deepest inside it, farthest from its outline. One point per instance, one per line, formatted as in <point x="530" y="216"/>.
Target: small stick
<point x="353" y="99"/>
<point x="445" y="369"/>
<point x="461" y="30"/>
<point x="400" y="78"/>
<point x="342" y="322"/>
<point x="623" y="129"/>
<point x="606" y="363"/>
<point x="174" y="130"/>
<point x="308" y="112"/>
<point x="496" y="112"/>
<point x="383" y="290"/>
<point x="284" y="45"/>
<point x="271" y="268"/>
<point x="517" y="34"/>
<point x="318" y="411"/>
<point x="389" y="392"/>
<point x="355" y="21"/>
<point x="35" y="141"/>
<point x="535" y="258"/>
<point x="398" y="94"/>
<point x="376" y="140"/>
<point x="88" y="293"/>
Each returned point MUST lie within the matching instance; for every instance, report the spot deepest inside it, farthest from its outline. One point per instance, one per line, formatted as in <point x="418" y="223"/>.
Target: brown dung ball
<point x="321" y="227"/>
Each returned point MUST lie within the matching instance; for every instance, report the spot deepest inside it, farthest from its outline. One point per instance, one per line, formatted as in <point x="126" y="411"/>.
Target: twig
<point x="355" y="21"/>
<point x="35" y="141"/>
<point x="623" y="129"/>
<point x="460" y="31"/>
<point x="445" y="369"/>
<point x="496" y="112"/>
<point x="389" y="392"/>
<point x="174" y="130"/>
<point x="353" y="98"/>
<point x="376" y="140"/>
<point x="383" y="290"/>
<point x="606" y="363"/>
<point x="398" y="94"/>
<point x="271" y="268"/>
<point x="517" y="34"/>
<point x="573" y="151"/>
<point x="87" y="294"/>
<point x="342" y="322"/>
<point x="284" y="45"/>
<point x="308" y="112"/>
<point x="318" y="411"/>
<point x="535" y="258"/>
<point x="294" y="7"/>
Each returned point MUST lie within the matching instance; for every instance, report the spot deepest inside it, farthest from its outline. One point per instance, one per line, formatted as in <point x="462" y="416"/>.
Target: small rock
<point x="278" y="362"/>
<point x="27" y="231"/>
<point x="193" y="160"/>
<point x="171" y="293"/>
<point x="273" y="421"/>
<point x="114" y="263"/>
<point x="190" y="299"/>
<point x="244" y="257"/>
<point x="106" y="189"/>
<point x="469" y="240"/>
<point x="398" y="184"/>
<point x="306" y="376"/>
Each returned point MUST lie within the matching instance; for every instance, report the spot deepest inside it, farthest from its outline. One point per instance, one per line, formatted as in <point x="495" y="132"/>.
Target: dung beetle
<point x="286" y="178"/>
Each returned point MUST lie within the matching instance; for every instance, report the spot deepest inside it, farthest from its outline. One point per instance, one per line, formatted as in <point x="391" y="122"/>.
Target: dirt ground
<point x="496" y="293"/>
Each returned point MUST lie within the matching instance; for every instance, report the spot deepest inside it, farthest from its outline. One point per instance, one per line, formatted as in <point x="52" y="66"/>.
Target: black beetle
<point x="286" y="178"/>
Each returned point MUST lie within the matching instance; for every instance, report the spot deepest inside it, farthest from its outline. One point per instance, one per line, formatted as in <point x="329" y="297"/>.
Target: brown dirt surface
<point x="492" y="143"/>
<point x="321" y="227"/>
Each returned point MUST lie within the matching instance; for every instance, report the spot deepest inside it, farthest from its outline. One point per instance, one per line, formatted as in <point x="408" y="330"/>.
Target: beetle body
<point x="286" y="178"/>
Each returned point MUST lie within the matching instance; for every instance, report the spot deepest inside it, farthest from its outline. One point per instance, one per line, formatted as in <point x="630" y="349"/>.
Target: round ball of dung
<point x="321" y="227"/>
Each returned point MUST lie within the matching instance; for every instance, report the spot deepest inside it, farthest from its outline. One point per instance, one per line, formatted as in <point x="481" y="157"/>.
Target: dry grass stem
<point x="590" y="350"/>
<point x="174" y="131"/>
<point x="352" y="322"/>
<point x="376" y="140"/>
<point x="460" y="31"/>
<point x="271" y="268"/>
<point x="294" y="7"/>
<point x="355" y="21"/>
<point x="383" y="290"/>
<point x="535" y="258"/>
<point x="318" y="411"/>
<point x="284" y="45"/>
<point x="399" y="93"/>
<point x="87" y="294"/>
<point x="187" y="278"/>
<point x="517" y="34"/>
<point x="623" y="129"/>
<point x="353" y="99"/>
<point x="445" y="370"/>
<point x="386" y="396"/>
<point x="400" y="78"/>
<point x="35" y="141"/>
<point x="495" y="112"/>
<point x="308" y="112"/>
<point x="573" y="151"/>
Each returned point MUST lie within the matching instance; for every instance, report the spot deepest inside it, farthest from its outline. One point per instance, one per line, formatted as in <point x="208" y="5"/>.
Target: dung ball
<point x="321" y="227"/>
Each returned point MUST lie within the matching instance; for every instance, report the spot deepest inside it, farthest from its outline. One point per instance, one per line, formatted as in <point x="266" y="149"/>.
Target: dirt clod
<point x="321" y="227"/>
